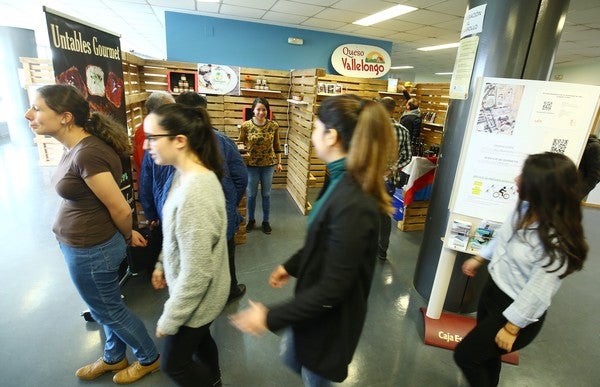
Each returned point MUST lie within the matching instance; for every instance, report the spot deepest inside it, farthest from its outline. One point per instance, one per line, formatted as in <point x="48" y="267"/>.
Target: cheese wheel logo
<point x="374" y="57"/>
<point x="361" y="61"/>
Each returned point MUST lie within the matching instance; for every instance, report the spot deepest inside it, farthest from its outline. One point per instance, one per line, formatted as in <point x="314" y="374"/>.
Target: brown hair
<point x="366" y="134"/>
<point x="550" y="184"/>
<point x="66" y="98"/>
<point x="194" y="123"/>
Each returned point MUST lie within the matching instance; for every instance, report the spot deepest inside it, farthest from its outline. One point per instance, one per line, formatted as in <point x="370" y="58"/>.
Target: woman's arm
<point x="105" y="188"/>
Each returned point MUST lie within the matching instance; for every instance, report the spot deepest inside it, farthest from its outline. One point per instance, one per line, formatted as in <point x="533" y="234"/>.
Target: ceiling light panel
<point x="386" y="14"/>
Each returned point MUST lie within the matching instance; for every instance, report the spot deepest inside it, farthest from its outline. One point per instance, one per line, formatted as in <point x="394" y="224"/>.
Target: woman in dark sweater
<point x="334" y="269"/>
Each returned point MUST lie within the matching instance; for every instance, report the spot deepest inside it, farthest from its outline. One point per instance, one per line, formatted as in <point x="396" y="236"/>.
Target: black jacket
<point x="589" y="167"/>
<point x="334" y="271"/>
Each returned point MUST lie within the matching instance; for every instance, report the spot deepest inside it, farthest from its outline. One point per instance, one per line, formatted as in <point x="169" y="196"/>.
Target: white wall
<point x="585" y="72"/>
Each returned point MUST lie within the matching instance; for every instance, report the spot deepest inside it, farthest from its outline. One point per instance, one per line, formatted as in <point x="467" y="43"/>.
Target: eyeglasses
<point x="154" y="137"/>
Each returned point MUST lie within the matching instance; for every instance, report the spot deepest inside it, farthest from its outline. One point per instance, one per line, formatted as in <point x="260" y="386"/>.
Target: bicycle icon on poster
<point x="501" y="193"/>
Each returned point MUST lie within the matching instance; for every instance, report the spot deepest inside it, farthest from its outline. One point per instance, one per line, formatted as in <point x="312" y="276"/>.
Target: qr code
<point x="559" y="145"/>
<point x="547" y="105"/>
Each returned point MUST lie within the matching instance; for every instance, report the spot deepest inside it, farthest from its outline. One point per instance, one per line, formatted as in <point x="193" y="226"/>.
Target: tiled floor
<point x="43" y="340"/>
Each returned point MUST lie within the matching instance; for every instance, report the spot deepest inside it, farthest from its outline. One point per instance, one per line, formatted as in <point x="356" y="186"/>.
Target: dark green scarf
<point x="337" y="169"/>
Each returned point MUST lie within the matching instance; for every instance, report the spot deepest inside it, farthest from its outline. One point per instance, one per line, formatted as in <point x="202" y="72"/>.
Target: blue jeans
<point x="288" y="356"/>
<point x="95" y="273"/>
<point x="265" y="176"/>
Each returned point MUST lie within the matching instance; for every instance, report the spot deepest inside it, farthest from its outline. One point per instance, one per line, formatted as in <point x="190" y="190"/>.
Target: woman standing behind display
<point x="193" y="262"/>
<point x="535" y="249"/>
<point x="260" y="136"/>
<point x="94" y="224"/>
<point x="335" y="267"/>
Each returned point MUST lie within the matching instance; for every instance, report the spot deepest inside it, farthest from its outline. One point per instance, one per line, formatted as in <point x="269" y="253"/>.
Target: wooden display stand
<point x="415" y="215"/>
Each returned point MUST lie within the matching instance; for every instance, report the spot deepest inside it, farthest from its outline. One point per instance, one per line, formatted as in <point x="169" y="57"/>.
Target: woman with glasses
<point x="193" y="263"/>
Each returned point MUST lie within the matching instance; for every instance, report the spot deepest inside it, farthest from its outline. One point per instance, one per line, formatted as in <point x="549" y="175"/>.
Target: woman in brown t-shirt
<point x="94" y="224"/>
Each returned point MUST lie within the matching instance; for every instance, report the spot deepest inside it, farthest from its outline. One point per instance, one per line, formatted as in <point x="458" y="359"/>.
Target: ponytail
<point x="109" y="131"/>
<point x="66" y="98"/>
<point x="366" y="134"/>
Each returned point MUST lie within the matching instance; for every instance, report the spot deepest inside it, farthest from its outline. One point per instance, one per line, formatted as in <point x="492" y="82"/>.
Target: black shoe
<point x="382" y="256"/>
<point x="266" y="227"/>
<point x="239" y="292"/>
<point x="250" y="225"/>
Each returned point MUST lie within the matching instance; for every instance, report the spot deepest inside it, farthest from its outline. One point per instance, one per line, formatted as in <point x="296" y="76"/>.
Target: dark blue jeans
<point x="95" y="274"/>
<point x="264" y="175"/>
<point x="288" y="356"/>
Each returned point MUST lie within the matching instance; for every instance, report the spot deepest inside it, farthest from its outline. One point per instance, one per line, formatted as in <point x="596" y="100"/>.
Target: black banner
<point x="90" y="59"/>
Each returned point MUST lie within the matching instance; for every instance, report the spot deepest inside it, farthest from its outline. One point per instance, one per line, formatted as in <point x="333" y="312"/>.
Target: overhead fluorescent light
<point x="386" y="14"/>
<point x="401" y="67"/>
<point x="450" y="73"/>
<point x="440" y="47"/>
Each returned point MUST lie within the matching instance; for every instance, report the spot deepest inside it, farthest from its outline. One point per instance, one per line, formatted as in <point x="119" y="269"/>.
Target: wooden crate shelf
<point x="415" y="216"/>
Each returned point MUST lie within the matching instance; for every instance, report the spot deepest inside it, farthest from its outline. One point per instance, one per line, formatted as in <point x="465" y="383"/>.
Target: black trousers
<point x="385" y="229"/>
<point x="477" y="354"/>
<point x="190" y="357"/>
<point x="231" y="256"/>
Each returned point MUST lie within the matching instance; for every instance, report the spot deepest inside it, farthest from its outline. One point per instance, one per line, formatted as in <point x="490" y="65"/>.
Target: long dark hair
<point x="194" y="123"/>
<point x="66" y="98"/>
<point x="366" y="134"/>
<point x="550" y="184"/>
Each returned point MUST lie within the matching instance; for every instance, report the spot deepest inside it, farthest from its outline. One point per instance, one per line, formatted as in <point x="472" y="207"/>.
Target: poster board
<point x="510" y="119"/>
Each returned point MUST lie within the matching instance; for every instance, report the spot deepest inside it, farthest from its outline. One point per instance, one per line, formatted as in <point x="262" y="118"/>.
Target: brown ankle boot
<point x="100" y="367"/>
<point x="135" y="372"/>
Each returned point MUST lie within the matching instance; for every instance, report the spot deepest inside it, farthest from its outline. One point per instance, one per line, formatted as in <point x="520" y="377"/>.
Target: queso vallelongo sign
<point x="361" y="61"/>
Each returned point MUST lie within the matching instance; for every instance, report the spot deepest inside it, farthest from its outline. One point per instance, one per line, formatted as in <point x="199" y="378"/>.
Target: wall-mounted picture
<point x="330" y="88"/>
<point x="321" y="88"/>
<point x="338" y="89"/>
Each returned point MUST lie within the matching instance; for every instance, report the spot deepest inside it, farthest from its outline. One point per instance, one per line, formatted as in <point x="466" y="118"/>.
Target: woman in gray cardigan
<point x="193" y="262"/>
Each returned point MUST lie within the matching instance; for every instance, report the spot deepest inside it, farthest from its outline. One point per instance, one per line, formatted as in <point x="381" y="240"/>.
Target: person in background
<point x="234" y="182"/>
<point x="193" y="262"/>
<point x="154" y="100"/>
<point x="395" y="177"/>
<point x="334" y="268"/>
<point x="589" y="167"/>
<point x="411" y="120"/>
<point x="94" y="224"/>
<point x="540" y="244"/>
<point x="260" y="137"/>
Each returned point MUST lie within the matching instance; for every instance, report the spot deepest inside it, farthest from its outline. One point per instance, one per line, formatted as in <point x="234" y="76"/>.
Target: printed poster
<point x="218" y="79"/>
<point x="510" y="119"/>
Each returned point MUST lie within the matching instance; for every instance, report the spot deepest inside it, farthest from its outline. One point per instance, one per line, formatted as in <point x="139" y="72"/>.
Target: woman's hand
<point x="158" y="279"/>
<point x="279" y="168"/>
<point x="137" y="239"/>
<point x="251" y="320"/>
<point x="471" y="265"/>
<point x="505" y="339"/>
<point x="279" y="277"/>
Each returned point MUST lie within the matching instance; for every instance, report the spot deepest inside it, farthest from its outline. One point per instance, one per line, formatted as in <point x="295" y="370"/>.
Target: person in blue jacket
<point x="155" y="182"/>
<point x="334" y="269"/>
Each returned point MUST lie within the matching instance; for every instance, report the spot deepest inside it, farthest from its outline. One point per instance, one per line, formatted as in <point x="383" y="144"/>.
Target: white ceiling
<point x="141" y="23"/>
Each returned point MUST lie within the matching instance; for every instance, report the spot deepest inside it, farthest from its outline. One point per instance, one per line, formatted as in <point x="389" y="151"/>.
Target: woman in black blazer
<point x="335" y="267"/>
